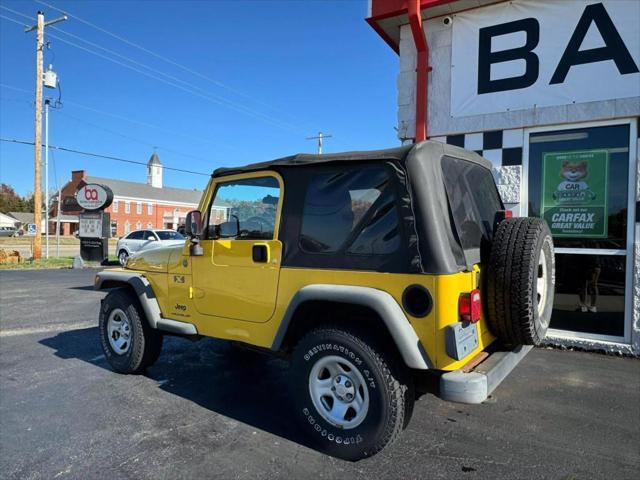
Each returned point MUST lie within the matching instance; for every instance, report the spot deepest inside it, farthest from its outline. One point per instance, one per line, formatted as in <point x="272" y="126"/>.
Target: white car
<point x="144" y="239"/>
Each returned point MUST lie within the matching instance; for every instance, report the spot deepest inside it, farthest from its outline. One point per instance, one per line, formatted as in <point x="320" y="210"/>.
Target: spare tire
<point x="519" y="281"/>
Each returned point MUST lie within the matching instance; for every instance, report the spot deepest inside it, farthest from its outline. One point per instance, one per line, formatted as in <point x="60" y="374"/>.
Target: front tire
<point x="129" y="344"/>
<point x="122" y="257"/>
<point x="350" y="397"/>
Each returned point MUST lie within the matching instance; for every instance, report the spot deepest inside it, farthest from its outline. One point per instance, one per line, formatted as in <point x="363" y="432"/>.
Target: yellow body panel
<point x="227" y="295"/>
<point x="228" y="283"/>
<point x="445" y="290"/>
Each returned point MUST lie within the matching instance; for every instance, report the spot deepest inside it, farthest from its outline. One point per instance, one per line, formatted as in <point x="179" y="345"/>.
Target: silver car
<point x="143" y="239"/>
<point x="7" y="232"/>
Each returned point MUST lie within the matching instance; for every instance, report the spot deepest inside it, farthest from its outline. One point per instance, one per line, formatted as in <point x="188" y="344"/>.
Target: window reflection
<point x="589" y="294"/>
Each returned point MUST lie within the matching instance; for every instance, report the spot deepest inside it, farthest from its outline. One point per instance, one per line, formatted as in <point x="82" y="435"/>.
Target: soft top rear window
<point x="474" y="201"/>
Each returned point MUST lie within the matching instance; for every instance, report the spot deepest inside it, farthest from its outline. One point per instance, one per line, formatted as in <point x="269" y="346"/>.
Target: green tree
<point x="10" y="201"/>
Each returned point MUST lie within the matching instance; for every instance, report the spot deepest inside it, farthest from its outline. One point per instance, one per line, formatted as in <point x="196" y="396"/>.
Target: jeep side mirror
<point x="193" y="229"/>
<point x="228" y="229"/>
<point x="193" y="224"/>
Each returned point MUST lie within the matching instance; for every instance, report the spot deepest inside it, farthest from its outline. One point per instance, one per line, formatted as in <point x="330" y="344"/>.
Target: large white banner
<point x="534" y="53"/>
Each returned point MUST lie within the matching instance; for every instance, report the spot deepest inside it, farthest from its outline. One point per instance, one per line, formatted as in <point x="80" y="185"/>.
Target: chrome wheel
<point x="541" y="286"/>
<point x="119" y="331"/>
<point x="122" y="257"/>
<point x="339" y="392"/>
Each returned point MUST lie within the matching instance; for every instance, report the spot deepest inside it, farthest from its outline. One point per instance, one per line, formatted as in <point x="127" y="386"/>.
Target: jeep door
<point x="237" y="277"/>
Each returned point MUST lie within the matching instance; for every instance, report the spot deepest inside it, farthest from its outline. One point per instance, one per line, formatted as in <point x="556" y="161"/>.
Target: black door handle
<point x="260" y="253"/>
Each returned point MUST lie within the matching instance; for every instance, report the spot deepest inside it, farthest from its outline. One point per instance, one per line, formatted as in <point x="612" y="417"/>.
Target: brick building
<point x="135" y="205"/>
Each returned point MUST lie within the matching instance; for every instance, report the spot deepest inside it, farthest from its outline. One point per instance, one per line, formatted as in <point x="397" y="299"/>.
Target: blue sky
<point x="276" y="72"/>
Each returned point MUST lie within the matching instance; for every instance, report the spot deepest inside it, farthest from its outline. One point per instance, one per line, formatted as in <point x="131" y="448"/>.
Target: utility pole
<point x="37" y="187"/>
<point x="320" y="137"/>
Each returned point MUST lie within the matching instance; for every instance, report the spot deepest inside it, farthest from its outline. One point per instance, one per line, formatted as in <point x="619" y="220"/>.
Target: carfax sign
<point x="574" y="193"/>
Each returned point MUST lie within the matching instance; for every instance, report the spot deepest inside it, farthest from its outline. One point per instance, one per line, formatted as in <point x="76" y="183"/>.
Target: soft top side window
<point x="247" y="207"/>
<point x="351" y="211"/>
<point x="473" y="199"/>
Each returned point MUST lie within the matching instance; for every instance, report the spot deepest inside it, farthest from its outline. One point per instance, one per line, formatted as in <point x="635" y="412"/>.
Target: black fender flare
<point x="112" y="279"/>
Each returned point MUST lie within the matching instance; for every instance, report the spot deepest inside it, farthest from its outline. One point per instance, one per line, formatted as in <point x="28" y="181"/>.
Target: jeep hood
<point x="155" y="259"/>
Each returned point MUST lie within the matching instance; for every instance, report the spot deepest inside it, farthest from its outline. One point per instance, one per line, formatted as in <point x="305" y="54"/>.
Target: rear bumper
<point x="475" y="386"/>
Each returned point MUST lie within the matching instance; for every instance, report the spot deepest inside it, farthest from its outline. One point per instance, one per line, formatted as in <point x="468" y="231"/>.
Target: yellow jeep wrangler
<point x="366" y="269"/>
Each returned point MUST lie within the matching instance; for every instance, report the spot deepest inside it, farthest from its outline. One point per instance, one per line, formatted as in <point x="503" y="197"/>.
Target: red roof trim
<point x="381" y="9"/>
<point x="374" y="24"/>
<point x="391" y="8"/>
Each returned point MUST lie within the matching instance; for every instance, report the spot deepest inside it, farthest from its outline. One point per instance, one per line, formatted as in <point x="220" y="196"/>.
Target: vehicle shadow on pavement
<point x="244" y="385"/>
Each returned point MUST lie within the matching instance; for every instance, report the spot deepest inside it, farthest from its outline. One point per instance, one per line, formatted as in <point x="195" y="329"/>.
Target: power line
<point x="113" y="132"/>
<point x="189" y="86"/>
<point x="191" y="90"/>
<point x="99" y="155"/>
<point x="216" y="98"/>
<point x="129" y="119"/>
<point x="165" y="59"/>
<point x="31" y="19"/>
<point x="133" y="139"/>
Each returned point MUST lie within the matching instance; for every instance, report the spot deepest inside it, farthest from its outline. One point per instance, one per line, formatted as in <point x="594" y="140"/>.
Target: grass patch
<point x="56" y="262"/>
<point x="52" y="262"/>
<point x="24" y="240"/>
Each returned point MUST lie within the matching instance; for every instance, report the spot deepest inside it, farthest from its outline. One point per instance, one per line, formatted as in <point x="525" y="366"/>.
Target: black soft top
<point x="432" y="244"/>
<point x="398" y="154"/>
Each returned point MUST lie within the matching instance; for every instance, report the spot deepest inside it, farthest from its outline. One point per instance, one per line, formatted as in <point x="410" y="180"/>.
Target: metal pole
<point x="58" y="222"/>
<point x="46" y="175"/>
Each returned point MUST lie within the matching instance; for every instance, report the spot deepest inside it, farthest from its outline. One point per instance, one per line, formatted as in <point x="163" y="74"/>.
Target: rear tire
<point x="129" y="344"/>
<point x="350" y="398"/>
<point x="520" y="281"/>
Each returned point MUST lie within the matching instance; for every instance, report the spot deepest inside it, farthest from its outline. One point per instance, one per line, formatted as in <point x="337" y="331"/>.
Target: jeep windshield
<point x="473" y="200"/>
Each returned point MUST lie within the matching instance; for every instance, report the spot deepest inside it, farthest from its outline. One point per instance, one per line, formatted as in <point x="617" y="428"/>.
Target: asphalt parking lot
<point x="207" y="410"/>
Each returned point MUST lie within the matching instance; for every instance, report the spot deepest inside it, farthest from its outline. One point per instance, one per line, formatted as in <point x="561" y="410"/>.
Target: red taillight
<point x="508" y="214"/>
<point x="470" y="306"/>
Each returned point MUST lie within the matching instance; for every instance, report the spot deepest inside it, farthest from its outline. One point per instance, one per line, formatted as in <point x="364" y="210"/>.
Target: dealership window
<point x="114" y="206"/>
<point x="127" y="227"/>
<point x="149" y="208"/>
<point x="578" y="182"/>
<point x="127" y="207"/>
<point x="352" y="211"/>
<point x="139" y="208"/>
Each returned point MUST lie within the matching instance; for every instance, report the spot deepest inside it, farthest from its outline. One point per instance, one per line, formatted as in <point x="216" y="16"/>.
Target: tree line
<point x="10" y="201"/>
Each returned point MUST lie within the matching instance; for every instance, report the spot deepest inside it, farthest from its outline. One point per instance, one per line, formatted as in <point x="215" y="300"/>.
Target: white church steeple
<point x="154" y="171"/>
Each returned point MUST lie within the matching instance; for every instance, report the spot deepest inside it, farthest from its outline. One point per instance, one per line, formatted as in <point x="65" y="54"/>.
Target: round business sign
<point x="94" y="197"/>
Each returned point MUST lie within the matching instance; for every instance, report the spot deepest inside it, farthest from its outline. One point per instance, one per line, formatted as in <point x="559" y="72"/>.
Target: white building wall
<point x="508" y="178"/>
